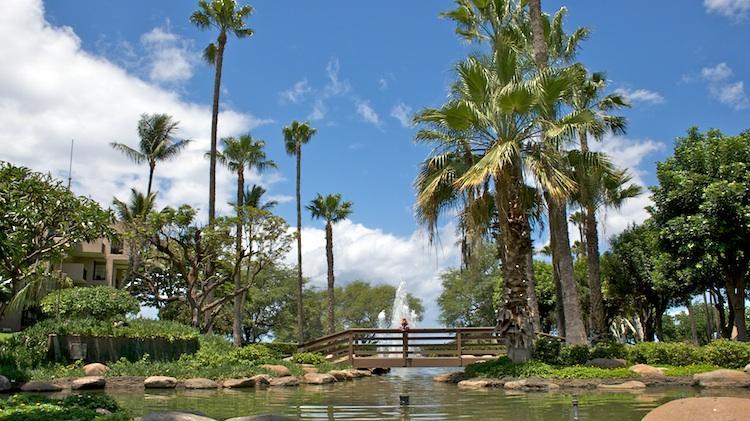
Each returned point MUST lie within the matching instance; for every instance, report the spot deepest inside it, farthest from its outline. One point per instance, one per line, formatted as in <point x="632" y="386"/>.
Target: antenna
<point x="70" y="165"/>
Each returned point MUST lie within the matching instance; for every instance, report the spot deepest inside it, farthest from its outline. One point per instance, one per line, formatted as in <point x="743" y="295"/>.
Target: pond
<point x="378" y="398"/>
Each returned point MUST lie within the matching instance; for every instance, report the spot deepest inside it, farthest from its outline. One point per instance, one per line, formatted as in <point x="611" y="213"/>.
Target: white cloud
<point x="641" y="95"/>
<point x="335" y="86"/>
<point x="721" y="87"/>
<point x="171" y="57"/>
<point x="383" y="84"/>
<point x="401" y="112"/>
<point x="319" y="110"/>
<point x="53" y="91"/>
<point x="296" y="93"/>
<point x="735" y="9"/>
<point x="362" y="253"/>
<point x="367" y="113"/>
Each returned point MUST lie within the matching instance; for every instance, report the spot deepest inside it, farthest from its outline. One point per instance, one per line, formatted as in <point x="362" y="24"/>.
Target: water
<point x="378" y="398"/>
<point x="401" y="308"/>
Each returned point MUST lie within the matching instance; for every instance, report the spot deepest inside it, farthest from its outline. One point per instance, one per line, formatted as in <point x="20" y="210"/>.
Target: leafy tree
<point x="40" y="221"/>
<point x="157" y="143"/>
<point x="296" y="135"/>
<point x="132" y="217"/>
<point x="100" y="303"/>
<point x="228" y="18"/>
<point x="468" y="297"/>
<point x="702" y="211"/>
<point x="359" y="303"/>
<point x="331" y="209"/>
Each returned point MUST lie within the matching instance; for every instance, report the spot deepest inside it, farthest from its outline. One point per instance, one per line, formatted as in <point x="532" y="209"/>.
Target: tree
<point x="332" y="210"/>
<point x="132" y="217"/>
<point x="296" y="135"/>
<point x="358" y="304"/>
<point x="238" y="155"/>
<point x="702" y="210"/>
<point x="156" y="132"/>
<point x="228" y="18"/>
<point x="41" y="221"/>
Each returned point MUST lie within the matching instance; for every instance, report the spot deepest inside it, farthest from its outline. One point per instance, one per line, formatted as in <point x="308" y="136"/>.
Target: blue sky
<point x="85" y="69"/>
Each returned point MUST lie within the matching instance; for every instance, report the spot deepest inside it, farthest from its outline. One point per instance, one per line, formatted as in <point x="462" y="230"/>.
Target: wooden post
<point x="351" y="349"/>
<point x="459" y="353"/>
<point x="405" y="349"/>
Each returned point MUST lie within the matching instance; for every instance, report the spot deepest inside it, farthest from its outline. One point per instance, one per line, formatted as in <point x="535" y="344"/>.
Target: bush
<point x="609" y="350"/>
<point x="283" y="349"/>
<point x="101" y="303"/>
<point x="254" y="354"/>
<point x="547" y="350"/>
<point x="308" y="358"/>
<point x="664" y="353"/>
<point x="574" y="354"/>
<point x="726" y="353"/>
<point x="504" y="367"/>
<point x="74" y="407"/>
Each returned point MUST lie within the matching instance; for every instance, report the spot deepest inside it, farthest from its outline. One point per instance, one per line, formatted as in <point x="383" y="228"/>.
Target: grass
<point x="5" y="336"/>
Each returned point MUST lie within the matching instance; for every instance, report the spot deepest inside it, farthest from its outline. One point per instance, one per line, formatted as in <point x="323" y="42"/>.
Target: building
<point x="95" y="263"/>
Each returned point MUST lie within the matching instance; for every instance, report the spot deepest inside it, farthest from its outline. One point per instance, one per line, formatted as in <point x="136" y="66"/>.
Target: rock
<point x="341" y="375"/>
<point x="160" y="382"/>
<point x="454" y="377"/>
<point x="380" y="371"/>
<point x="722" y="378"/>
<point x="95" y="369"/>
<point x="355" y="373"/>
<point x="277" y="370"/>
<point x="364" y="372"/>
<point x="5" y="384"/>
<point x="747" y="369"/>
<point x="34" y="386"/>
<point x="285" y="381"/>
<point x="579" y="383"/>
<point x="239" y="383"/>
<point x="175" y="416"/>
<point x="607" y="363"/>
<point x="531" y="385"/>
<point x="479" y="383"/>
<point x="629" y="385"/>
<point x="261" y="418"/>
<point x="309" y="368"/>
<point x="645" y="370"/>
<point x="200" y="383"/>
<point x="701" y="409"/>
<point x="318" y="378"/>
<point x="261" y="379"/>
<point x="103" y="411"/>
<point x="88" y="382"/>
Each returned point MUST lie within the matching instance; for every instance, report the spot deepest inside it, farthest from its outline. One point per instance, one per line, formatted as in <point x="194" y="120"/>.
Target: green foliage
<point x="689" y="370"/>
<point x="608" y="350"/>
<point x="72" y="408"/>
<point x="308" y="358"/>
<point x="547" y="350"/>
<point x="664" y="353"/>
<point x="504" y="367"/>
<point x="255" y="354"/>
<point x="574" y="354"/>
<point x="726" y="353"/>
<point x="101" y="303"/>
<point x="282" y="349"/>
<point x="584" y="372"/>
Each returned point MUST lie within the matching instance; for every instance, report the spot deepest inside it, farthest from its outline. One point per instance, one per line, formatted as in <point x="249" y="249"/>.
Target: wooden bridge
<point x="385" y="348"/>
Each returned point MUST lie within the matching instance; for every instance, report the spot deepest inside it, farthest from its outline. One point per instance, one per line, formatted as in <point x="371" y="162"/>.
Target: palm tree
<point x="229" y="18"/>
<point x="133" y="215"/>
<point x="296" y="135"/>
<point x="237" y="155"/>
<point x="253" y="198"/>
<point x="331" y="209"/>
<point x="157" y="142"/>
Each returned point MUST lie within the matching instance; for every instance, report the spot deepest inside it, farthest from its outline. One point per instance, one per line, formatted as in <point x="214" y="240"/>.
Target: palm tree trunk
<point x="541" y="55"/>
<point x="575" y="331"/>
<point x="221" y="41"/>
<point x="533" y="300"/>
<point x="238" y="297"/>
<point x="596" y="300"/>
<point x="693" y="327"/>
<point x="152" y="167"/>
<point x="331" y="299"/>
<point x="300" y="328"/>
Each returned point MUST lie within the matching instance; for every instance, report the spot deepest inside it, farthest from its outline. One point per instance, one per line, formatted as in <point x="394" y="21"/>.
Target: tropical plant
<point x="332" y="210"/>
<point x="101" y="303"/>
<point x="228" y="18"/>
<point x="296" y="135"/>
<point x="132" y="216"/>
<point x="156" y="132"/>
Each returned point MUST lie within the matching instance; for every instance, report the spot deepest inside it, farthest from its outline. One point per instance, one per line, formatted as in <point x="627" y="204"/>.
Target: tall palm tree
<point x="132" y="215"/>
<point x="228" y="18"/>
<point x="238" y="155"/>
<point x="332" y="210"/>
<point x="296" y="135"/>
<point x="157" y="142"/>
<point x="253" y="197"/>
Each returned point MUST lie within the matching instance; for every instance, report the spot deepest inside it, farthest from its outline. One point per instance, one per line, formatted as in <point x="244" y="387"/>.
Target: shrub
<point x="308" y="358"/>
<point x="254" y="354"/>
<point x="101" y="303"/>
<point x="726" y="353"/>
<point x="504" y="367"/>
<point x="574" y="354"/>
<point x="74" y="407"/>
<point x="283" y="349"/>
<point x="664" y="353"/>
<point x="547" y="350"/>
<point x="608" y="350"/>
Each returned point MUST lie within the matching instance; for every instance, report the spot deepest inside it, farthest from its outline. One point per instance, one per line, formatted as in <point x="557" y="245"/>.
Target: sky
<point x="86" y="69"/>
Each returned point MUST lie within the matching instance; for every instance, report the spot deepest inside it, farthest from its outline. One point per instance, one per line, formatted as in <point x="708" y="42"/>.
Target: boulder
<point x="454" y="377"/>
<point x="309" y="368"/>
<point x="261" y="379"/>
<point x="355" y="373"/>
<point x="160" y="382"/>
<point x="88" y="382"/>
<point x="277" y="370"/>
<point x="629" y="385"/>
<point x="479" y="383"/>
<point x="95" y="369"/>
<point x="175" y="416"/>
<point x="364" y="372"/>
<point x="200" y="383"/>
<point x="239" y="383"/>
<point x="5" y="384"/>
<point x="531" y="385"/>
<point x="261" y="418"/>
<point x="318" y="378"/>
<point x="645" y="370"/>
<point x="103" y="412"/>
<point x="341" y="375"/>
<point x="722" y="378"/>
<point x="701" y="409"/>
<point x="34" y="386"/>
<point x="285" y="381"/>
<point x="747" y="369"/>
<point x="607" y="363"/>
<point x="380" y="371"/>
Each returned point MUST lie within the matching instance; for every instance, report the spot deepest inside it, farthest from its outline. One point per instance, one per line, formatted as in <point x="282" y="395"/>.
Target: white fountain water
<point x="400" y="309"/>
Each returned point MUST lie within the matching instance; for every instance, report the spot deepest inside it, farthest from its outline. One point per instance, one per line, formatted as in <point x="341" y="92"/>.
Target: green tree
<point x="702" y="208"/>
<point x="228" y="18"/>
<point x="41" y="221"/>
<point x="156" y="132"/>
<point x="359" y="303"/>
<point x="468" y="296"/>
<point x="296" y="135"/>
<point x="132" y="217"/>
<point x="238" y="155"/>
<point x="332" y="210"/>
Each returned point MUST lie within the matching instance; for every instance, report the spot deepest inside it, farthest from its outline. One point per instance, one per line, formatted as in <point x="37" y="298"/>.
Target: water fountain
<point x="399" y="310"/>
